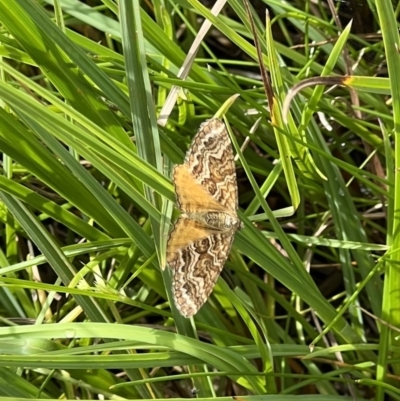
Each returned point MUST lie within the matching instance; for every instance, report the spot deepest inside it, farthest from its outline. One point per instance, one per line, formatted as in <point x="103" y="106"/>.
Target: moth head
<point x="233" y="222"/>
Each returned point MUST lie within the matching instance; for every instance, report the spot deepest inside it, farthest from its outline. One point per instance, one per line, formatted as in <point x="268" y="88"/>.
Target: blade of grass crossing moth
<point x="276" y="118"/>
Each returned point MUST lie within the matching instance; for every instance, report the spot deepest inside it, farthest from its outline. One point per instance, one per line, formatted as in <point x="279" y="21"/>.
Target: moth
<point x="207" y="196"/>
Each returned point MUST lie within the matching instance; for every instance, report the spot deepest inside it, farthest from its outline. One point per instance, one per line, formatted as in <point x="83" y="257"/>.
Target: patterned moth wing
<point x="211" y="162"/>
<point x="197" y="257"/>
<point x="207" y="196"/>
<point x="191" y="197"/>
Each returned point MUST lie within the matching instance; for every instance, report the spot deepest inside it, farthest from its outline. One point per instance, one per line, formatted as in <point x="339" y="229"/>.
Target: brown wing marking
<point x="184" y="233"/>
<point x="190" y="195"/>
<point x="196" y="263"/>
<point x="210" y="161"/>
